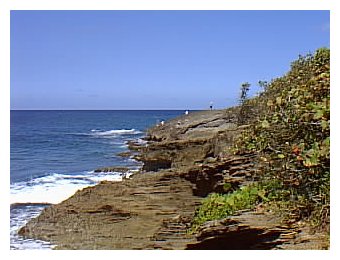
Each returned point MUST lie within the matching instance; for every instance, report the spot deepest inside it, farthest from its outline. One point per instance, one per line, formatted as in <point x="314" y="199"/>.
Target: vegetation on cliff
<point x="218" y="206"/>
<point x="289" y="132"/>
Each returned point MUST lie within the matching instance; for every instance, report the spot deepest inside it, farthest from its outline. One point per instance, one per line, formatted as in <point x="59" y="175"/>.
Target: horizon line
<point x="160" y="109"/>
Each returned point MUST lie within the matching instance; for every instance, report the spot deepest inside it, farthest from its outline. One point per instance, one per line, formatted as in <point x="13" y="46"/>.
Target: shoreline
<point x="138" y="149"/>
<point x="19" y="242"/>
<point x="184" y="160"/>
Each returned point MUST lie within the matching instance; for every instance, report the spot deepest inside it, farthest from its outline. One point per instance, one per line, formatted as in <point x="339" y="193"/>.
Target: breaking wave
<point x="55" y="188"/>
<point x="115" y="132"/>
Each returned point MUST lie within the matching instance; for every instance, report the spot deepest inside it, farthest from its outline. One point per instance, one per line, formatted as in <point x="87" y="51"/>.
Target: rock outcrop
<point x="246" y="231"/>
<point x="120" y="169"/>
<point x="183" y="161"/>
<point x="116" y="215"/>
<point x="188" y="140"/>
<point x="253" y="230"/>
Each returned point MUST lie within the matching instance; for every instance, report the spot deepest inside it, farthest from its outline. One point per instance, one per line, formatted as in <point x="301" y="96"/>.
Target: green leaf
<point x="327" y="141"/>
<point x="270" y="103"/>
<point x="281" y="156"/>
<point x="324" y="124"/>
<point x="278" y="100"/>
<point x="265" y="124"/>
<point x="319" y="114"/>
<point x="310" y="162"/>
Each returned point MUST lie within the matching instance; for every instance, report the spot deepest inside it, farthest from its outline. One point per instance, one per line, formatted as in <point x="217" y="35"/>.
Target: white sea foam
<point x="55" y="188"/>
<point x="115" y="132"/>
<point x="141" y="141"/>
<point x="19" y="217"/>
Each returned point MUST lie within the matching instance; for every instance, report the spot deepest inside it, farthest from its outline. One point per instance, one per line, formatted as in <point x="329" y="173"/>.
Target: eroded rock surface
<point x="116" y="215"/>
<point x="184" y="160"/>
<point x="253" y="230"/>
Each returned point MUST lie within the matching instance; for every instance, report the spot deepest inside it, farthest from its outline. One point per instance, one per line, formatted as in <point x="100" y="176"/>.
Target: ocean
<point x="54" y="153"/>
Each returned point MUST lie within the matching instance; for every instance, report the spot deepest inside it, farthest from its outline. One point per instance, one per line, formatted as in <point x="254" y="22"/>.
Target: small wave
<point x="20" y="214"/>
<point x="115" y="132"/>
<point x="109" y="133"/>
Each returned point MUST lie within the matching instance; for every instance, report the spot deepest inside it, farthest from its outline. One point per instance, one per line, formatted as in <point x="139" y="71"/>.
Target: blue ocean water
<point x="55" y="153"/>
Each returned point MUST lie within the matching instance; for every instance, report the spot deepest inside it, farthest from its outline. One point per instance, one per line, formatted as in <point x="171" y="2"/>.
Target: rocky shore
<point x="183" y="160"/>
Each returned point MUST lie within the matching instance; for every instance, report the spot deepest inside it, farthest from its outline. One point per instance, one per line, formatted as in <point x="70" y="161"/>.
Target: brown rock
<point x="125" y="154"/>
<point x="117" y="215"/>
<point x="113" y="169"/>
<point x="246" y="231"/>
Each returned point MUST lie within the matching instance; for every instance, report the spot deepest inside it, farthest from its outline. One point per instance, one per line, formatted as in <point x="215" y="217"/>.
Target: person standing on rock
<point x="211" y="105"/>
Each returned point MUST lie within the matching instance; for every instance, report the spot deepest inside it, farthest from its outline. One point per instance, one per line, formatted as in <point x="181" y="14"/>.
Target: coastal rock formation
<point x="188" y="140"/>
<point x="183" y="160"/>
<point x="246" y="231"/>
<point x="116" y="215"/>
<point x="113" y="169"/>
<point x="256" y="231"/>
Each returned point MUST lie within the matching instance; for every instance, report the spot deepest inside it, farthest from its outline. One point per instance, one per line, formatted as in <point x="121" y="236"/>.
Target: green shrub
<point x="218" y="206"/>
<point x="291" y="133"/>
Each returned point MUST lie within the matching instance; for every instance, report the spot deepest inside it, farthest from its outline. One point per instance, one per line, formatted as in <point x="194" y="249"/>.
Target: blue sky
<point x="153" y="59"/>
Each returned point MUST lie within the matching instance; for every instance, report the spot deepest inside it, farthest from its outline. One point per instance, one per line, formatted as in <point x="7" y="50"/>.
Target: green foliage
<point x="227" y="187"/>
<point x="291" y="131"/>
<point x="218" y="206"/>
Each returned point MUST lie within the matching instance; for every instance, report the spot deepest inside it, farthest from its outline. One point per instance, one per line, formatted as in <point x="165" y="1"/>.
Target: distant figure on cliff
<point x="211" y="105"/>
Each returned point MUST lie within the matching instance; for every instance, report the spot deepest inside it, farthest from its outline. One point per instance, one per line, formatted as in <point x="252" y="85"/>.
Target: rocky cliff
<point x="183" y="160"/>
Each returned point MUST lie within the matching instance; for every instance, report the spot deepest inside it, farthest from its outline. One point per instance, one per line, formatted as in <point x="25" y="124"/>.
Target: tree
<point x="263" y="85"/>
<point x="244" y="92"/>
<point x="244" y="107"/>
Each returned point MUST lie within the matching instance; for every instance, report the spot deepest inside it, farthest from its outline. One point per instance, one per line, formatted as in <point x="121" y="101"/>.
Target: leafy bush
<point x="218" y="206"/>
<point x="291" y="133"/>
